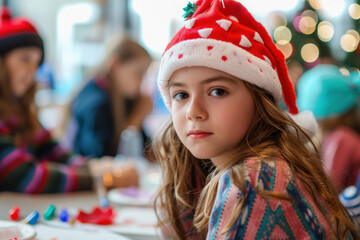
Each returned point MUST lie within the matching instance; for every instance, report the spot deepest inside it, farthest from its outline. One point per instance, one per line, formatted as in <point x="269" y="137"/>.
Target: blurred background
<point x="75" y="33"/>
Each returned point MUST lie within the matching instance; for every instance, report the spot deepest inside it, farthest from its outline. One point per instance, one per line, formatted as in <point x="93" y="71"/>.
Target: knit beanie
<point x="327" y="92"/>
<point x="17" y="32"/>
<point x="223" y="35"/>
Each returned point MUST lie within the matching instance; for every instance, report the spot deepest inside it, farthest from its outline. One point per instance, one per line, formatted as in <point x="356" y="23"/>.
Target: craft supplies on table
<point x="130" y="222"/>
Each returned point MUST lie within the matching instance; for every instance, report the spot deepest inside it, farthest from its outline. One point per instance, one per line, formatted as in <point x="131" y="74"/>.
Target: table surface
<point x="85" y="201"/>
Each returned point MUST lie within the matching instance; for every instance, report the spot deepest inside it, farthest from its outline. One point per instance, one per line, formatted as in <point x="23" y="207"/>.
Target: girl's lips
<point x="198" y="134"/>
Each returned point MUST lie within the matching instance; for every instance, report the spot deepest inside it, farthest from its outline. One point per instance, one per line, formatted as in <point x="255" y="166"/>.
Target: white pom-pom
<point x="307" y="122"/>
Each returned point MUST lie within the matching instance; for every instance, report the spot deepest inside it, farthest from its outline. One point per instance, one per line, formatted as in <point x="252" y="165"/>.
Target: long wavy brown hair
<point x="23" y="109"/>
<point x="191" y="184"/>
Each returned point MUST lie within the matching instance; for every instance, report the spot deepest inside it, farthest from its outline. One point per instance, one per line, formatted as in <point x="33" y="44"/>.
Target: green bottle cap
<point x="50" y="213"/>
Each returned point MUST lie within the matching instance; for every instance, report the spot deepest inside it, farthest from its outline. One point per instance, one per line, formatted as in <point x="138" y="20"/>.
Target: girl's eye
<point x="180" y="96"/>
<point x="218" y="92"/>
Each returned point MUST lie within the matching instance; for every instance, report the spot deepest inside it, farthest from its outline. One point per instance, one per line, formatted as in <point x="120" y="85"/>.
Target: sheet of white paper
<point x="133" y="222"/>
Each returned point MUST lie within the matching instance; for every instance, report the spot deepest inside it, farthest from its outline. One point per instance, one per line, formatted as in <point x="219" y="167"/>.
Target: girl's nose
<point x="196" y="111"/>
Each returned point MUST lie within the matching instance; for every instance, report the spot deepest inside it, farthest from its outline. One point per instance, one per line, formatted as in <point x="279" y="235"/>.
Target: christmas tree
<point x="305" y="37"/>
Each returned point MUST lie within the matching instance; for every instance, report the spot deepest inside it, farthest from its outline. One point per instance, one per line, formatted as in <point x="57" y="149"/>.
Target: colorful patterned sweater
<point x="42" y="167"/>
<point x="262" y="218"/>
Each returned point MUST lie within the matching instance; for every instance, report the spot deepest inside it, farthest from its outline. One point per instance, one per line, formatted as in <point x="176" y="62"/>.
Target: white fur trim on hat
<point x="222" y="56"/>
<point x="307" y="122"/>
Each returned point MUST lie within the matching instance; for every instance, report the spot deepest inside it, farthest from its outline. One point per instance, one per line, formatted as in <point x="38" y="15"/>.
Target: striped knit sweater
<point x="262" y="218"/>
<point x="42" y="167"/>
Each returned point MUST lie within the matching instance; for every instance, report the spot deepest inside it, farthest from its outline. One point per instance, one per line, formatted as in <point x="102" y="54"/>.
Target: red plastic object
<point x="100" y="216"/>
<point x="14" y="213"/>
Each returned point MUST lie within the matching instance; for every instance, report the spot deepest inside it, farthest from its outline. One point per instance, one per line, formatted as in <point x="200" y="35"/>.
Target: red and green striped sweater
<point x="40" y="167"/>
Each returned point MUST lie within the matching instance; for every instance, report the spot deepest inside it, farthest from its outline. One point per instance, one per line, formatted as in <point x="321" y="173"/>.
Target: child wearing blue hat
<point x="331" y="94"/>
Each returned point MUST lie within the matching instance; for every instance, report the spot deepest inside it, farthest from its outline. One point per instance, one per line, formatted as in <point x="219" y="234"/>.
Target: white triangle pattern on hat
<point x="267" y="60"/>
<point x="234" y="18"/>
<point x="190" y="23"/>
<point x="224" y="24"/>
<point x="244" y="42"/>
<point x="258" y="38"/>
<point x="205" y="32"/>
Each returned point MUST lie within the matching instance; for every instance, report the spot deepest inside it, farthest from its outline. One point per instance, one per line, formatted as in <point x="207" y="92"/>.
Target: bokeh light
<point x="277" y="19"/>
<point x="310" y="52"/>
<point x="353" y="70"/>
<point x="282" y="35"/>
<point x="356" y="70"/>
<point x="349" y="41"/>
<point x="287" y="49"/>
<point x="316" y="4"/>
<point x="354" y="11"/>
<point x="344" y="71"/>
<point x="312" y="14"/>
<point x="307" y="25"/>
<point x="354" y="33"/>
<point x="325" y="31"/>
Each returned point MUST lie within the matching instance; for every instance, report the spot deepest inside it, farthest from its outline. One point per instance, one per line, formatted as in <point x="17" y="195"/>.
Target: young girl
<point x="332" y="97"/>
<point x="234" y="165"/>
<point x="30" y="161"/>
<point x="110" y="102"/>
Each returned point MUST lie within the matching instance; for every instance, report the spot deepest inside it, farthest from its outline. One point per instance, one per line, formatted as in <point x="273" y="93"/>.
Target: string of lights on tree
<point x="305" y="37"/>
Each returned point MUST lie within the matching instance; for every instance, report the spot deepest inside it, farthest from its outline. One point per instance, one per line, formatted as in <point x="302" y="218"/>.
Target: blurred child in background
<point x="110" y="102"/>
<point x="30" y="161"/>
<point x="332" y="96"/>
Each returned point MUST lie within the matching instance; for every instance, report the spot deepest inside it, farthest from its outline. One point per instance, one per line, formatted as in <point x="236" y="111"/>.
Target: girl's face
<point x="128" y="76"/>
<point x="211" y="111"/>
<point x="22" y="64"/>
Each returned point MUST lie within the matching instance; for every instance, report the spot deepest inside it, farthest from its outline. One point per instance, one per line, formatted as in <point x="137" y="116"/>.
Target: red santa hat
<point x="223" y="35"/>
<point x="17" y="32"/>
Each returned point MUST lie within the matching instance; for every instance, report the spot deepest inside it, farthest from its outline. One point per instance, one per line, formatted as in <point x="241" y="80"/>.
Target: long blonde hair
<point x="269" y="135"/>
<point x="23" y="108"/>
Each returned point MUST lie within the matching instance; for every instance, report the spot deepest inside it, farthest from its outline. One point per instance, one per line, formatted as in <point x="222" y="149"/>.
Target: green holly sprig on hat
<point x="189" y="10"/>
